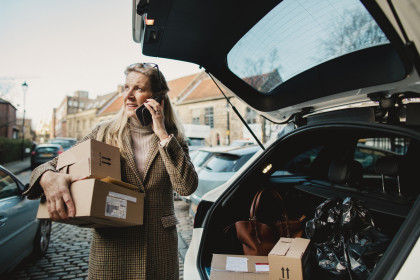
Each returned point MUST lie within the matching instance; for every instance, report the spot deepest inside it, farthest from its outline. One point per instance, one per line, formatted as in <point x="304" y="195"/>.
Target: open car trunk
<point x="340" y="160"/>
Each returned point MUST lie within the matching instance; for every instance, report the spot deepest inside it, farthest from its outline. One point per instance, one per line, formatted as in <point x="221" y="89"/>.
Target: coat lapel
<point x="131" y="161"/>
<point x="154" y="149"/>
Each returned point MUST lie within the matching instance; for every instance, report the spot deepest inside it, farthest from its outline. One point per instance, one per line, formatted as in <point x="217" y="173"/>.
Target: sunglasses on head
<point x="147" y="65"/>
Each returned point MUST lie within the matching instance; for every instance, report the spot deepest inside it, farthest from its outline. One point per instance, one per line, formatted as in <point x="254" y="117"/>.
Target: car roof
<point x="216" y="149"/>
<point x="203" y="32"/>
<point x="239" y="151"/>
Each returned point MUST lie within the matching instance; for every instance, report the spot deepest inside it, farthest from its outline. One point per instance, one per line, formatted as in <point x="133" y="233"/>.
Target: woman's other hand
<point x="57" y="192"/>
<point x="157" y="112"/>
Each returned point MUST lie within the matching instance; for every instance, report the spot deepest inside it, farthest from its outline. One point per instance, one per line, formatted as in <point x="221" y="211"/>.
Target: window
<point x="300" y="163"/>
<point x="196" y="120"/>
<point x="227" y="162"/>
<point x="298" y="35"/>
<point x="208" y="117"/>
<point x="8" y="186"/>
<point x="369" y="150"/>
<point x="250" y="116"/>
<point x="200" y="158"/>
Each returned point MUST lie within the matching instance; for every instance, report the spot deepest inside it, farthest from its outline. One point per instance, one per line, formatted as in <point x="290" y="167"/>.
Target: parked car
<point x="338" y="74"/>
<point x="21" y="234"/>
<point x="43" y="153"/>
<point x="200" y="156"/>
<point x="217" y="169"/>
<point x="66" y="143"/>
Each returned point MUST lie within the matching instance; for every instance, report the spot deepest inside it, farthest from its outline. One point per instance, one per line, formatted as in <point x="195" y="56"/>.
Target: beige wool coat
<point x="149" y="251"/>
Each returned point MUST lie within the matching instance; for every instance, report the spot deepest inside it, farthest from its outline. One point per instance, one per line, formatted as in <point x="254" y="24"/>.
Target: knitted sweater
<point x="141" y="137"/>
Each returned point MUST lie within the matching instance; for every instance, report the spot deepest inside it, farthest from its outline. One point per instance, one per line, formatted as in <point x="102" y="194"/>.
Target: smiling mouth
<point x="130" y="105"/>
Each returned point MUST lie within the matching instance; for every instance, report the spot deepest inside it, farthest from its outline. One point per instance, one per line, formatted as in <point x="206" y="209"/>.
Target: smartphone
<point x="143" y="114"/>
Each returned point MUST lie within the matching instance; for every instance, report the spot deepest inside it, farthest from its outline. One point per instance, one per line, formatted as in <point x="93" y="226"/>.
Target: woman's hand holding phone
<point x="155" y="107"/>
<point x="143" y="113"/>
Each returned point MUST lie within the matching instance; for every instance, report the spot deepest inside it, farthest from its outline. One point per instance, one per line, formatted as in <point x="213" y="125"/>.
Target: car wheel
<point x="42" y="238"/>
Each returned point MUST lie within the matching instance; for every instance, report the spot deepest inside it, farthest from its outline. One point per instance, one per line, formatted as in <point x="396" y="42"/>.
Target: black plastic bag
<point x="345" y="241"/>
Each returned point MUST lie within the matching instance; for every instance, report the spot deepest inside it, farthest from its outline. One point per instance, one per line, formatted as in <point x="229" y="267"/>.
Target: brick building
<point x="8" y="127"/>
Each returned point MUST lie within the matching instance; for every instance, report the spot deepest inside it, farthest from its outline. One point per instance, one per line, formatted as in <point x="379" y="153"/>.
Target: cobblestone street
<point x="68" y="253"/>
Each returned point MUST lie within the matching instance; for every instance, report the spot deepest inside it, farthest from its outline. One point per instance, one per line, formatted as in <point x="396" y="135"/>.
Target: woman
<point x="155" y="159"/>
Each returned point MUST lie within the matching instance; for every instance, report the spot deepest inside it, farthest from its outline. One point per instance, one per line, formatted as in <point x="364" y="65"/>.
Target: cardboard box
<point x="289" y="259"/>
<point x="239" y="267"/>
<point x="91" y="158"/>
<point x="102" y="204"/>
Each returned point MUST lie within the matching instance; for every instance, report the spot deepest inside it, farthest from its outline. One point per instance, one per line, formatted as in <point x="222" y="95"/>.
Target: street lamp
<point x="24" y="89"/>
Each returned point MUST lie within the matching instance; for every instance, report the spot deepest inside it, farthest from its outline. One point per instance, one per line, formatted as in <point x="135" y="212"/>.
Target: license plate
<point x="46" y="155"/>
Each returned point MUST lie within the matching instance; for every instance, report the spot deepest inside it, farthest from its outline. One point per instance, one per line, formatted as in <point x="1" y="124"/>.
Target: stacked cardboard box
<point x="287" y="260"/>
<point x="101" y="200"/>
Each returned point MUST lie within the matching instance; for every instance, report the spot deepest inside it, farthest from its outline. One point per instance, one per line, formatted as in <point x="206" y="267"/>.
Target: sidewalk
<point x="18" y="166"/>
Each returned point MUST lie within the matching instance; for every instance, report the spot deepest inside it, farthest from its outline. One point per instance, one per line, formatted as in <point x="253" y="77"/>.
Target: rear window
<point x="227" y="163"/>
<point x="47" y="149"/>
<point x="200" y="158"/>
<point x="298" y="35"/>
<point x="64" y="144"/>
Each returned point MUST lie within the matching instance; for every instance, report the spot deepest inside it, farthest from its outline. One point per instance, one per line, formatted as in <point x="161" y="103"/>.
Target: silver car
<point x="21" y="234"/>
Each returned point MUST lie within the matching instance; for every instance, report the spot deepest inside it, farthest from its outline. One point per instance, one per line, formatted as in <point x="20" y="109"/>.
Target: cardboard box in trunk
<point x="91" y="158"/>
<point x="289" y="259"/>
<point x="102" y="204"/>
<point x="239" y="267"/>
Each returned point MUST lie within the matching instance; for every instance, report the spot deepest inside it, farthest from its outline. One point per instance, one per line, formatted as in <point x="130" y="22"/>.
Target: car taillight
<point x="59" y="152"/>
<point x="33" y="153"/>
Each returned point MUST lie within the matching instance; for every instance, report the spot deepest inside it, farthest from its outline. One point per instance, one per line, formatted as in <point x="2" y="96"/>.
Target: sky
<point x="61" y="46"/>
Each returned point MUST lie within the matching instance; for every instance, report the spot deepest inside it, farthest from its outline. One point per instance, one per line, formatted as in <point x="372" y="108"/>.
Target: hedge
<point x="10" y="149"/>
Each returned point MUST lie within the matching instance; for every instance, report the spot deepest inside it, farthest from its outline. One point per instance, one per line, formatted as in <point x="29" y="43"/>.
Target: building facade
<point x="8" y="128"/>
<point x="28" y="131"/>
<point x="77" y="114"/>
<point x="195" y="98"/>
<point x="201" y="102"/>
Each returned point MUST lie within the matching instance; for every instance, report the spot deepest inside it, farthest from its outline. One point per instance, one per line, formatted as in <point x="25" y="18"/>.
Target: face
<point x="136" y="90"/>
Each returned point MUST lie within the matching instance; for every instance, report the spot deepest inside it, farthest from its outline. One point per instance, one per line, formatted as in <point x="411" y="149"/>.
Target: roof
<point x="203" y="89"/>
<point x="113" y="106"/>
<point x="178" y="85"/>
<point x="2" y="101"/>
<point x="100" y="101"/>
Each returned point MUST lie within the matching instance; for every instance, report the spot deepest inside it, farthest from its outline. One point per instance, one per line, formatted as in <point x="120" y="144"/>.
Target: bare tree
<point x="5" y="87"/>
<point x="355" y="29"/>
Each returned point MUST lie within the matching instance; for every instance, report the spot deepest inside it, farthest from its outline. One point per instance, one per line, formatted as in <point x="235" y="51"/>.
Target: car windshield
<point x="298" y="35"/>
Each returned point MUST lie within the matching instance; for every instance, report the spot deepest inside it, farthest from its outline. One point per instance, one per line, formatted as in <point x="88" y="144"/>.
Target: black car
<point x="64" y="142"/>
<point x="338" y="74"/>
<point x="43" y="153"/>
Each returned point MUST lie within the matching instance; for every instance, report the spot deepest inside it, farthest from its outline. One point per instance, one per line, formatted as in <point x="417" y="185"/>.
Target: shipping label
<point x="115" y="207"/>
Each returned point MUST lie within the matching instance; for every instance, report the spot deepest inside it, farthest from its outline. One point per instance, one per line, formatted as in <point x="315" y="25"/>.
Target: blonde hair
<point x="114" y="131"/>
